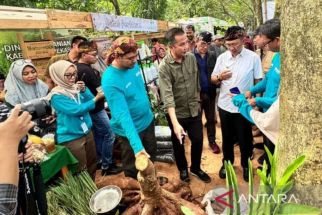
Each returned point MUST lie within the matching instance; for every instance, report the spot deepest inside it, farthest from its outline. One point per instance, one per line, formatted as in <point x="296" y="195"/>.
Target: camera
<point x="37" y="108"/>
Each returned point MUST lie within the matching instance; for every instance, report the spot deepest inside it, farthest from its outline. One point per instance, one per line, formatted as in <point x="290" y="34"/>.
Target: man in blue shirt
<point x="206" y="61"/>
<point x="132" y="118"/>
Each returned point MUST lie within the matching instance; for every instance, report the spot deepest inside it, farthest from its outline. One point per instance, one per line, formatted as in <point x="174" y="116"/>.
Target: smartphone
<point x="234" y="90"/>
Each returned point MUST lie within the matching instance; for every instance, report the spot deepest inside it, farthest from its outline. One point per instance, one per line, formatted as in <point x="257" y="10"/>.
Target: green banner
<point x="10" y="49"/>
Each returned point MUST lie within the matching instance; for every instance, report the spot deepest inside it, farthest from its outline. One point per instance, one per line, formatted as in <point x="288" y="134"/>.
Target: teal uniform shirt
<point x="129" y="103"/>
<point x="73" y="119"/>
<point x="244" y="108"/>
<point x="269" y="85"/>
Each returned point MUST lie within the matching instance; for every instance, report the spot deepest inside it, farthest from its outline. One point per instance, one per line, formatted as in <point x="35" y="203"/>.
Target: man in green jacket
<point x="180" y="91"/>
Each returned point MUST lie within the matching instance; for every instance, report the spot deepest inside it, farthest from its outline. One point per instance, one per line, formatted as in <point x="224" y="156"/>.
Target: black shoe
<point x="222" y="172"/>
<point x="113" y="165"/>
<point x="201" y="175"/>
<point x="112" y="170"/>
<point x="184" y="175"/>
<point x="261" y="159"/>
<point x="246" y="174"/>
<point x="99" y="165"/>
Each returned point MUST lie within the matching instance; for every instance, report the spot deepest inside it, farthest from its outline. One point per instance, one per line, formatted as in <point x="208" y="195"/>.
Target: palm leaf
<point x="291" y="169"/>
<point x="250" y="187"/>
<point x="229" y="184"/>
<point x="291" y="208"/>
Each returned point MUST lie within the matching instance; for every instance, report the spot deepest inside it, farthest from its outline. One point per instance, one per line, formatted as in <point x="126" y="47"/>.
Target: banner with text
<point x="105" y="22"/>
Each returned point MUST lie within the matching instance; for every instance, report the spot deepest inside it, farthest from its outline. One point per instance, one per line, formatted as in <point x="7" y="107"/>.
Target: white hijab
<point x="57" y="73"/>
<point x="18" y="91"/>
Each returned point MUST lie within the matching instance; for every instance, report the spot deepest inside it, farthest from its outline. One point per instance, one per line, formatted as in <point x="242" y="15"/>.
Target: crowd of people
<point x="197" y="73"/>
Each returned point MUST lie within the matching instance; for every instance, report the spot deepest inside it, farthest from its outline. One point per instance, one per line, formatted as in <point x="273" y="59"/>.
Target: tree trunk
<point x="117" y="7"/>
<point x="301" y="96"/>
<point x="225" y="11"/>
<point x="265" y="9"/>
<point x="277" y="12"/>
<point x="257" y="5"/>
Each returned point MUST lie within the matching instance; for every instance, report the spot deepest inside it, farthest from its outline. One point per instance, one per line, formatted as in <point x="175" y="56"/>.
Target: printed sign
<point x="36" y="50"/>
<point x="10" y="49"/>
<point x="105" y="22"/>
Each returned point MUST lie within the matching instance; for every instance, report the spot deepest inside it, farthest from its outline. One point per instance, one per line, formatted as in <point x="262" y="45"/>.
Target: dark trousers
<point x="84" y="150"/>
<point x="192" y="126"/>
<point x="235" y="125"/>
<point x="147" y="137"/>
<point x="271" y="147"/>
<point x="208" y="105"/>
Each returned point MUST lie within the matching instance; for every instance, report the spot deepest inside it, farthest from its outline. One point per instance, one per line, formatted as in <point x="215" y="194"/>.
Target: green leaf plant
<point x="271" y="188"/>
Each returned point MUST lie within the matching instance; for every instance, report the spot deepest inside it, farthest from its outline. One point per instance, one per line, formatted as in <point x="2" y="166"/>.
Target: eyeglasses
<point x="268" y="42"/>
<point x="70" y="75"/>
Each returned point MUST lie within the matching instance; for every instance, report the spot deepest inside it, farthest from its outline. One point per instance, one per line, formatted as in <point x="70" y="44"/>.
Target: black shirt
<point x="92" y="80"/>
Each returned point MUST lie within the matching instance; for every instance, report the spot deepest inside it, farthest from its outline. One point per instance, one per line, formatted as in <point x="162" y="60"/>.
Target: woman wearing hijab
<point x="160" y="54"/>
<point x="22" y="83"/>
<point x="72" y="103"/>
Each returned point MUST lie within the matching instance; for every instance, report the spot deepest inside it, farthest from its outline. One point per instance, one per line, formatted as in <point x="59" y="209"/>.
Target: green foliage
<point x="250" y="187"/>
<point x="78" y="5"/>
<point x="157" y="109"/>
<point x="72" y="195"/>
<point x="291" y="209"/>
<point x="290" y="170"/>
<point x="229" y="184"/>
<point x="229" y="10"/>
<point x="270" y="186"/>
<point x="148" y="9"/>
<point x="9" y="39"/>
<point x="20" y="3"/>
<point x="232" y="180"/>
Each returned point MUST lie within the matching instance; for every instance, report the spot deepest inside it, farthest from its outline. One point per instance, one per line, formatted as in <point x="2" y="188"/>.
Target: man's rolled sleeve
<point x="166" y="87"/>
<point x="8" y="199"/>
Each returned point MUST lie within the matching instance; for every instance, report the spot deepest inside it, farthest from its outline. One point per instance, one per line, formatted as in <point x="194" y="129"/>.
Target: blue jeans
<point x="104" y="138"/>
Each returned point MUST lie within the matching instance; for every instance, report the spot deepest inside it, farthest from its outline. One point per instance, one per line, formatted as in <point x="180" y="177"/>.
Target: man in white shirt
<point x="236" y="71"/>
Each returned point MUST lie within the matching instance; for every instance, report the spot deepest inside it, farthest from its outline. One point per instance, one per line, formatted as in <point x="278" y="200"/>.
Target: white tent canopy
<point x="204" y="23"/>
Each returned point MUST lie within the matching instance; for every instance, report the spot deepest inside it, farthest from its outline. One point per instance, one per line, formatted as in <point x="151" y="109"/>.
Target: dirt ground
<point x="211" y="164"/>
